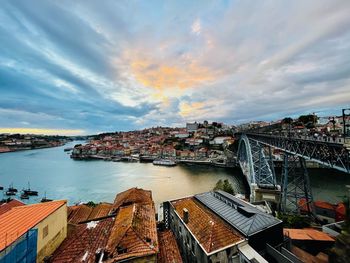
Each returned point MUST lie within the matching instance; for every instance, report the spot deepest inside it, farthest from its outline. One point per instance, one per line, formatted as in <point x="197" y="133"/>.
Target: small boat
<point x="30" y="192"/>
<point x="164" y="162"/>
<point x="1" y="188"/>
<point x="12" y="189"/>
<point x="44" y="199"/>
<point x="24" y="196"/>
<point x="8" y="193"/>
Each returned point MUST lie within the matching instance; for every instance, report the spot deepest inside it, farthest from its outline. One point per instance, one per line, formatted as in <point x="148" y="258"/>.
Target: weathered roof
<point x="132" y="196"/>
<point x="80" y="213"/>
<point x="20" y="219"/>
<point x="7" y="206"/>
<point x="168" y="250"/>
<point x="84" y="242"/>
<point x="306" y="234"/>
<point x="209" y="229"/>
<point x="134" y="233"/>
<point x="241" y="215"/>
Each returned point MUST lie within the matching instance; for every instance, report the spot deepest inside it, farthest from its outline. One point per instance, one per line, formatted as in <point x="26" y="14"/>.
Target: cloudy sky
<point x="80" y="67"/>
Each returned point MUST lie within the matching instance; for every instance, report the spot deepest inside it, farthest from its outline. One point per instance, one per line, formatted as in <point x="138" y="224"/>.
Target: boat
<point x="24" y="196"/>
<point x="30" y="192"/>
<point x="1" y="188"/>
<point x="10" y="193"/>
<point x="164" y="162"/>
<point x="67" y="149"/>
<point x="44" y="199"/>
<point x="12" y="189"/>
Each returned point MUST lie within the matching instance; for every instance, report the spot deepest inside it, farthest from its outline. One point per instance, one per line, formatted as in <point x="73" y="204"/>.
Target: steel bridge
<point x="293" y="193"/>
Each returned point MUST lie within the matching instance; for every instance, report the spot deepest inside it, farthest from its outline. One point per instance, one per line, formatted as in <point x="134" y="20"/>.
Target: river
<point x="52" y="171"/>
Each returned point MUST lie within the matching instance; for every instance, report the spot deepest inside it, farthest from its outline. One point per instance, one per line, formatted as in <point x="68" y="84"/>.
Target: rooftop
<point x="20" y="219"/>
<point x="81" y="213"/>
<point x="168" y="250"/>
<point x="307" y="234"/>
<point x="134" y="233"/>
<point x="5" y="207"/>
<point x="243" y="216"/>
<point x="211" y="231"/>
<point x="84" y="242"/>
<point x="131" y="196"/>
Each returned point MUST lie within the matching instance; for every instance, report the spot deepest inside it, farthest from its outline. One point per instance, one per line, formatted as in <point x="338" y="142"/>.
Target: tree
<point x="308" y="118"/>
<point x="224" y="186"/>
<point x="287" y="120"/>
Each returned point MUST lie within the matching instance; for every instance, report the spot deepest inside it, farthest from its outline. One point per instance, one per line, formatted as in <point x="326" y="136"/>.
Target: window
<point x="45" y="231"/>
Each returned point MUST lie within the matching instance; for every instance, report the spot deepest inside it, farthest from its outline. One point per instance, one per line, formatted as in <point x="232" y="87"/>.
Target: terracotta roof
<point x="306" y="234"/>
<point x="20" y="219"/>
<point x="134" y="233"/>
<point x="100" y="210"/>
<point x="168" y="250"/>
<point x="7" y="206"/>
<point x="210" y="230"/>
<point x="84" y="242"/>
<point x="131" y="196"/>
<point x="80" y="213"/>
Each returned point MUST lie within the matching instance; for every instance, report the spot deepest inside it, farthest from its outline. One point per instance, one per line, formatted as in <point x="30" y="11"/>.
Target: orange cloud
<point x="41" y="131"/>
<point x="187" y="109"/>
<point x="160" y="75"/>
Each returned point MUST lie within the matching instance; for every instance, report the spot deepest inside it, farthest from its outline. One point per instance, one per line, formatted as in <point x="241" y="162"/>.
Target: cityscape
<point x="174" y="131"/>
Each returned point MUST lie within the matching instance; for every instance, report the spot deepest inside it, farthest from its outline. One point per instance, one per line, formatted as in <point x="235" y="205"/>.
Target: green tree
<point x="224" y="186"/>
<point x="310" y="118"/>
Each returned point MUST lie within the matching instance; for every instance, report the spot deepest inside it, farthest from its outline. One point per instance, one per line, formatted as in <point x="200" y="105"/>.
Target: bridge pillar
<point x="296" y="195"/>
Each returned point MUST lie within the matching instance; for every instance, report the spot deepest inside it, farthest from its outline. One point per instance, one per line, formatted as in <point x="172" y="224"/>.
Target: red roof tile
<point x="7" y="206"/>
<point x="134" y="233"/>
<point x="168" y="250"/>
<point x="19" y="220"/>
<point x="84" y="242"/>
<point x="209" y="229"/>
<point x="79" y="214"/>
<point x="131" y="196"/>
<point x="306" y="234"/>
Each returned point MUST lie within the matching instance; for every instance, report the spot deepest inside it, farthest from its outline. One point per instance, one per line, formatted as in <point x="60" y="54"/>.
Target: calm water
<point x="52" y="170"/>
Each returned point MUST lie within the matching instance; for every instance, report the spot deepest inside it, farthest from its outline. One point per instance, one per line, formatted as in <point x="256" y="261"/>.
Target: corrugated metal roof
<point x="243" y="216"/>
<point x="20" y="219"/>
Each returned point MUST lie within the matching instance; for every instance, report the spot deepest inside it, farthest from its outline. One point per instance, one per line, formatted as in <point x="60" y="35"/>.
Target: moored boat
<point x="164" y="162"/>
<point x="12" y="189"/>
<point x="10" y="193"/>
<point x="24" y="196"/>
<point x="29" y="191"/>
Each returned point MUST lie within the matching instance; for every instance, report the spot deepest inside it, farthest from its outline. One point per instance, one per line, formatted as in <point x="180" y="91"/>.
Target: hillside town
<point x="19" y="142"/>
<point x="198" y="142"/>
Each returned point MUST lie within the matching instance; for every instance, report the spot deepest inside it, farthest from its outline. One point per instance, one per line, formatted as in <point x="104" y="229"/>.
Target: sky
<point x="84" y="67"/>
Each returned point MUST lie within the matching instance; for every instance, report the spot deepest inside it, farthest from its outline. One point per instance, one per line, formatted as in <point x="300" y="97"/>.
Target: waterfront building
<point x="218" y="227"/>
<point x="168" y="249"/>
<point x="29" y="233"/>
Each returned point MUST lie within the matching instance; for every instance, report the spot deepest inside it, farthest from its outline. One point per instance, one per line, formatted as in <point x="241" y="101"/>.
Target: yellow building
<point x="48" y="222"/>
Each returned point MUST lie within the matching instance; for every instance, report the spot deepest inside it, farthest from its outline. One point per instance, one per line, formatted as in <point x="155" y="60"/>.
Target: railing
<point x="330" y="154"/>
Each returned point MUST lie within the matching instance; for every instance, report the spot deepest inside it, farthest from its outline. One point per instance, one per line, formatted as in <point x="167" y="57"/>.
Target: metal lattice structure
<point x="331" y="155"/>
<point x="255" y="165"/>
<point x="296" y="190"/>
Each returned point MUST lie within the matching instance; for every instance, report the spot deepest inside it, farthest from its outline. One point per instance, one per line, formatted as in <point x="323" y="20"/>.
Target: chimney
<point x="185" y="216"/>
